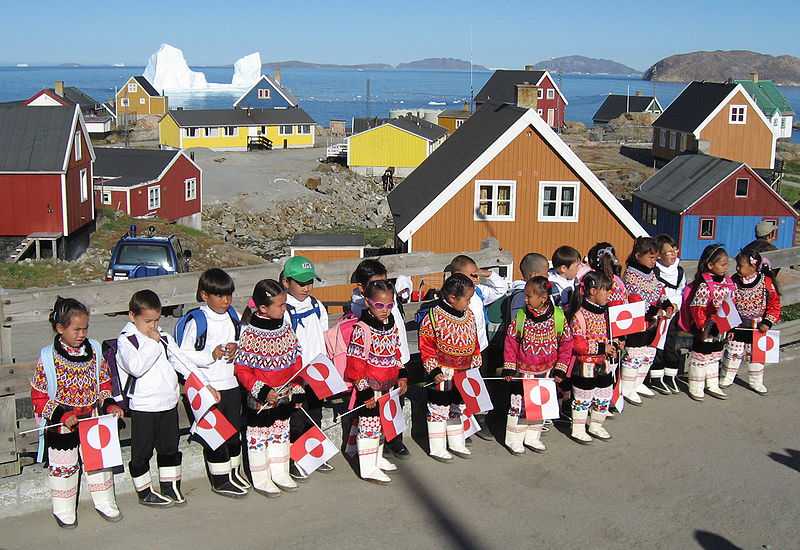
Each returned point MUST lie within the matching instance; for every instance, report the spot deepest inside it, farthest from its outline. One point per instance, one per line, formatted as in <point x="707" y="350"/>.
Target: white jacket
<point x="220" y="332"/>
<point x="311" y="329"/>
<point x="485" y="294"/>
<point x="358" y="304"/>
<point x="155" y="369"/>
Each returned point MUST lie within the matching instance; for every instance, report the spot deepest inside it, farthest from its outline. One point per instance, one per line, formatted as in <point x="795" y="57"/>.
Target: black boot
<point x="219" y="474"/>
<point x="296" y="474"/>
<point x="671" y="380"/>
<point x="657" y="384"/>
<point x="169" y="477"/>
<point x="147" y="496"/>
<point x="398" y="448"/>
<point x="484" y="433"/>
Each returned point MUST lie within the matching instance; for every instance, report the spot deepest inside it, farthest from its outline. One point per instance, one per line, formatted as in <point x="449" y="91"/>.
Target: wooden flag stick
<point x="60" y="424"/>
<point x="278" y="390"/>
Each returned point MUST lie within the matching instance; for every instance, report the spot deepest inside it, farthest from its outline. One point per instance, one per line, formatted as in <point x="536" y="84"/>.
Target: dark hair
<point x="532" y="262"/>
<point x="263" y="293"/>
<point x="754" y="258"/>
<point x="603" y="258"/>
<point x="539" y="285"/>
<point x="215" y="281"/>
<point x="642" y="245"/>
<point x="456" y="285"/>
<point x="663" y="239"/>
<point x="376" y="287"/>
<point x="459" y="263"/>
<point x="592" y="279"/>
<point x="711" y="254"/>
<point x="144" y="299"/>
<point x="565" y="256"/>
<point x="366" y="270"/>
<point x="64" y="310"/>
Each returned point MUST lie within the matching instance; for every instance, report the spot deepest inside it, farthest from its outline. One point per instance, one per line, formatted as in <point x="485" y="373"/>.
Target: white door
<point x="551" y="116"/>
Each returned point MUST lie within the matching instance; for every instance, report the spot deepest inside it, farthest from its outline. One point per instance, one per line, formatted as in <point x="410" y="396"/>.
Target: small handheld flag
<point x="662" y="327"/>
<point x="200" y="397"/>
<point x="541" y="401"/>
<point x="473" y="391"/>
<point x="100" y="443"/>
<point x="624" y="319"/>
<point x="323" y="377"/>
<point x="393" y="422"/>
<point x="312" y="450"/>
<point x="766" y="347"/>
<point x="213" y="429"/>
<point x="727" y="316"/>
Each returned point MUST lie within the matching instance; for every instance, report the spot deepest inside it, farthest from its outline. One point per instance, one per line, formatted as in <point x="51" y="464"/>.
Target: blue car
<point x="149" y="255"/>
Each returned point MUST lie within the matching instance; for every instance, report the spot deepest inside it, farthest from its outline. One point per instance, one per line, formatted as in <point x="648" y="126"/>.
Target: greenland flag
<point x="473" y="391"/>
<point x="471" y="425"/>
<point x="100" y="443"/>
<point x="627" y="318"/>
<point x="200" y="397"/>
<point x="213" y="429"/>
<point x="766" y="347"/>
<point x="312" y="450"/>
<point x="617" y="401"/>
<point x="393" y="422"/>
<point x="727" y="316"/>
<point x="323" y="377"/>
<point x="662" y="328"/>
<point x="541" y="401"/>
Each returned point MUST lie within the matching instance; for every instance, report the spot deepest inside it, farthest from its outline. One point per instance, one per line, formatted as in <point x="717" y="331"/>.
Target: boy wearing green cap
<point x="309" y="320"/>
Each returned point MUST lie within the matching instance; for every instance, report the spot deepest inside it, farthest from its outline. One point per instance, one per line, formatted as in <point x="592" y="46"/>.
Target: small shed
<point x="616" y="105"/>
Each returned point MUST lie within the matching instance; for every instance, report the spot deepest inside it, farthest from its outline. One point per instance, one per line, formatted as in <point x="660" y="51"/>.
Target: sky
<point x="498" y="33"/>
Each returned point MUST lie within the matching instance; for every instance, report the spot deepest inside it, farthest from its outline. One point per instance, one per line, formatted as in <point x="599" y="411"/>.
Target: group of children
<point x="556" y="326"/>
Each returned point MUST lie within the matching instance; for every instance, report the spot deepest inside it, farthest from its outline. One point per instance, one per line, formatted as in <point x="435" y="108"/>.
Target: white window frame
<point x="735" y="116"/>
<point x="459" y="122"/>
<point x="210" y="129"/>
<point x="142" y="101"/>
<point x="551" y="93"/>
<point x="559" y="185"/>
<point x="263" y="93"/>
<point x="84" y="175"/>
<point x="105" y="197"/>
<point x="662" y="137"/>
<point x="282" y="127"/>
<point x="154" y="197"/>
<point x="495" y="185"/>
<point x="540" y="93"/>
<point x="540" y="112"/>
<point x="673" y="139"/>
<point x="191" y="132"/>
<point x="713" y="228"/>
<point x="77" y="146"/>
<point x="736" y="188"/>
<point x="190" y="189"/>
<point x="125" y="102"/>
<point x="132" y="88"/>
<point x="302" y="127"/>
<point x="649" y="213"/>
<point x="234" y="132"/>
<point x="509" y="269"/>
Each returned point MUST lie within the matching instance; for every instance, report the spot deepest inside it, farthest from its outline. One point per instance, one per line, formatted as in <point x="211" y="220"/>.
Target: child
<point x="267" y="364"/>
<point x="309" y="321"/>
<point x="72" y="381"/>
<point x="536" y="341"/>
<point x="213" y="351"/>
<point x="603" y="258"/>
<point x="642" y="285"/>
<point x="594" y="355"/>
<point x="374" y="368"/>
<point x="150" y="358"/>
<point x="757" y="298"/>
<point x="448" y="341"/>
<point x="566" y="262"/>
<point x="664" y="374"/>
<point x="532" y="265"/>
<point x="368" y="271"/>
<point x="710" y="288"/>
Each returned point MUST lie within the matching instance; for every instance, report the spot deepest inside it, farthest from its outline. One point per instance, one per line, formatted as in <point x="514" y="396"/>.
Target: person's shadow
<point x="790" y="459"/>
<point x="712" y="541"/>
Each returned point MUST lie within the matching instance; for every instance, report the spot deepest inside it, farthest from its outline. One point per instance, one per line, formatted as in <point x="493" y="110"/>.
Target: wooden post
<point x="6" y="356"/>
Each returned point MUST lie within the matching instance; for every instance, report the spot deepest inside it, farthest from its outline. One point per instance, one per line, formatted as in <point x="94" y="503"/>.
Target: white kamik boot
<point x="515" y="435"/>
<point x="260" y="473"/>
<point x="368" y="450"/>
<point x="437" y="441"/>
<point x="278" y="454"/>
<point x="533" y="438"/>
<point x="101" y="487"/>
<point x="455" y="439"/>
<point x="755" y="378"/>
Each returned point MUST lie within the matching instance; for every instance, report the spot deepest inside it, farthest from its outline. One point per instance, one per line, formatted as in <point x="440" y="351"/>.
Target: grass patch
<point x="40" y="274"/>
<point x="790" y="193"/>
<point x="790" y="312"/>
<point x="792" y="167"/>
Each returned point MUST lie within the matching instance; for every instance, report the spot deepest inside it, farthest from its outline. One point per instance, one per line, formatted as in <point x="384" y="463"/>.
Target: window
<point x="742" y="185"/>
<point x="132" y="88"/>
<point x="738" y="114"/>
<point x="558" y="201"/>
<point x="125" y="102"/>
<point x="539" y="112"/>
<point x="495" y="200"/>
<point x="707" y="228"/>
<point x="662" y="137"/>
<point x="649" y="213"/>
<point x="459" y="122"/>
<point x="304" y="129"/>
<point x="231" y="131"/>
<point x="191" y="132"/>
<point x="78" y="147"/>
<point x="684" y="138"/>
<point x="263" y="93"/>
<point x="190" y="187"/>
<point x="84" y="186"/>
<point x="154" y="197"/>
<point x="286" y="130"/>
<point x="144" y="254"/>
<point x="783" y="123"/>
<point x="673" y="138"/>
<point x="551" y="93"/>
<point x="505" y="271"/>
<point x="106" y="197"/>
<point x="142" y="101"/>
<point x="212" y="132"/>
<point x="540" y="93"/>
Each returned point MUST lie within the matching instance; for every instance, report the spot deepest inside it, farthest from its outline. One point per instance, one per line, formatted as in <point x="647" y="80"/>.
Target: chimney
<point x="466" y="107"/>
<point x="754" y="76"/>
<point x="638" y="92"/>
<point x="276" y="74"/>
<point x="59" y="88"/>
<point x="528" y="67"/>
<point x="527" y="95"/>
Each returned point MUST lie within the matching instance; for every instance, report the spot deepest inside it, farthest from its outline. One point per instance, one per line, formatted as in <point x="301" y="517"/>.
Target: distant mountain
<point x="293" y="64"/>
<point x="585" y="65"/>
<point x="720" y="65"/>
<point x="441" y="64"/>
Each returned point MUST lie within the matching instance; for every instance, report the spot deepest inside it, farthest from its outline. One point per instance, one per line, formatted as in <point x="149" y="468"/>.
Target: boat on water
<point x="22" y="65"/>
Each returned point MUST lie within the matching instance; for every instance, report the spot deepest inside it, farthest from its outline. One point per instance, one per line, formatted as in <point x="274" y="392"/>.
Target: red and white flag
<point x="213" y="429"/>
<point x="541" y="399"/>
<point x="617" y="401"/>
<point x="627" y="318"/>
<point x="100" y="443"/>
<point x="727" y="316"/>
<point x="200" y="397"/>
<point x="312" y="450"/>
<point x="473" y="391"/>
<point x="393" y="422"/>
<point x="766" y="347"/>
<point x="323" y="377"/>
<point x="471" y="425"/>
<point x="662" y="327"/>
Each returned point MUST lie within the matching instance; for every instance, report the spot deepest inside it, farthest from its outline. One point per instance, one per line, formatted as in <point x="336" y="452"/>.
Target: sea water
<point x="342" y="93"/>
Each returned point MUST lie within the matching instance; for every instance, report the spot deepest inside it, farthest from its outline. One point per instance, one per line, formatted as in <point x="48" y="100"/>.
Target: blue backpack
<point x="297" y="318"/>
<point x="201" y="324"/>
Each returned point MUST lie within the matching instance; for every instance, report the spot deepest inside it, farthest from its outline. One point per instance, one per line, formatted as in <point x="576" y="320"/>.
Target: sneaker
<point x="296" y="474"/>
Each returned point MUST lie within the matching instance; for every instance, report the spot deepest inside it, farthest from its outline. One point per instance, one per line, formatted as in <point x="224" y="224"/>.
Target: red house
<point x="150" y="183"/>
<point x="511" y="87"/>
<point x="46" y="160"/>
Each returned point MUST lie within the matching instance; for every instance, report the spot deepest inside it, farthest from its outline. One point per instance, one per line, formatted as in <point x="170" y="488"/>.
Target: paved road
<point x="678" y="474"/>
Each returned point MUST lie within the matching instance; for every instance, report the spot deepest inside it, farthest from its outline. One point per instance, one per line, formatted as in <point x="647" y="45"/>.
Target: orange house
<point x="718" y="119"/>
<point x="506" y="174"/>
<point x="137" y="96"/>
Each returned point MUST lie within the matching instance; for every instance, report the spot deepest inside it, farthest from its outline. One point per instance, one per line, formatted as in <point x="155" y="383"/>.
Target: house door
<point x="551" y="117"/>
<point x="285" y="144"/>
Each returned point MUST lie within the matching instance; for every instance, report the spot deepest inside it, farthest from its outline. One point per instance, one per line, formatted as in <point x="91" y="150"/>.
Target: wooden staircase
<point x="259" y="142"/>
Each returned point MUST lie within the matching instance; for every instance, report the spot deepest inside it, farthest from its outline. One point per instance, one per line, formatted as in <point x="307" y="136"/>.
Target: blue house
<point x="699" y="199"/>
<point x="266" y="93"/>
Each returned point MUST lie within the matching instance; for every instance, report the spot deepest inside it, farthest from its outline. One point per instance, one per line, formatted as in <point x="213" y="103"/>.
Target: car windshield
<point x="144" y="254"/>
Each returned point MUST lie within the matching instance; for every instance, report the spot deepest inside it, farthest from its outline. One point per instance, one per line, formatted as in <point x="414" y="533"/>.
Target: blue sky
<point x="504" y="33"/>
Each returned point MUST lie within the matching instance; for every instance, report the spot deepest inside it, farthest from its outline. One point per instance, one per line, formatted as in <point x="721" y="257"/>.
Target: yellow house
<point x="236" y="129"/>
<point x="402" y="143"/>
<point x="139" y="97"/>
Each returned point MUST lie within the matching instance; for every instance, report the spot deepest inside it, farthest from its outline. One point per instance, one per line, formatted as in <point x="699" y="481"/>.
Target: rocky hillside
<point x="441" y="64"/>
<point x="579" y="64"/>
<point x="720" y="65"/>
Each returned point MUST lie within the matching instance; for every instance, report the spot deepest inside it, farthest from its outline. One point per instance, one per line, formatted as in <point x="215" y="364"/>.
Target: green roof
<point x="767" y="96"/>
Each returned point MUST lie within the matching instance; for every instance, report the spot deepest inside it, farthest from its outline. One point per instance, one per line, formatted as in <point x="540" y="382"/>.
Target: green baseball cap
<point x="300" y="269"/>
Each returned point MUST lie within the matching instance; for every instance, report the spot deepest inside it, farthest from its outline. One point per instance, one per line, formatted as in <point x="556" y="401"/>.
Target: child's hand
<point x="115" y="410"/>
<point x="272" y="397"/>
<point x="403" y="385"/>
<point x="763" y="328"/>
<point x="439" y="378"/>
<point x="70" y="421"/>
<point x="218" y="353"/>
<point x="154" y="334"/>
<point x="230" y="351"/>
<point x="370" y="403"/>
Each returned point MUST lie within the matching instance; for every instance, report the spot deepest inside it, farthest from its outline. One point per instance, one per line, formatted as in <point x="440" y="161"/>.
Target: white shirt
<point x="358" y="304"/>
<point x="154" y="368"/>
<point x="670" y="275"/>
<point x="311" y="329"/>
<point x="563" y="287"/>
<point x="491" y="291"/>
<point x="220" y="332"/>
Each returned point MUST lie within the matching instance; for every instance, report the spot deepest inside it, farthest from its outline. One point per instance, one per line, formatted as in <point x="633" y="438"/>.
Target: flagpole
<point x="264" y="406"/>
<point x="516" y="378"/>
<point x="61" y="424"/>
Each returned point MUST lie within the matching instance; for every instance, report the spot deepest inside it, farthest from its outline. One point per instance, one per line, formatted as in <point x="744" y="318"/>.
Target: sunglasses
<point x="381" y="305"/>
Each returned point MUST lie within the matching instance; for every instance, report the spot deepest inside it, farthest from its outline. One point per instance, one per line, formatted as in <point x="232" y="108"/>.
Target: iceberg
<point x="246" y="71"/>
